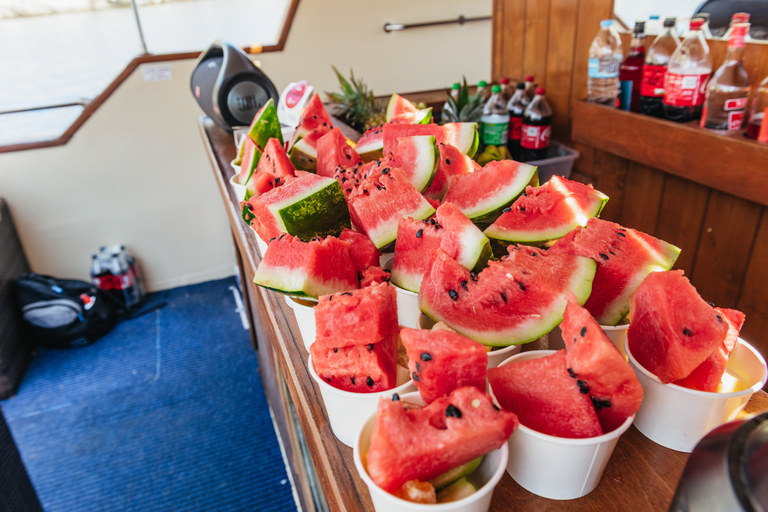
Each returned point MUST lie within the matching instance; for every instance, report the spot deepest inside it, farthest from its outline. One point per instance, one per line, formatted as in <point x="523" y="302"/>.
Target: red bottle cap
<point x="696" y="23"/>
<point x="529" y="78"/>
<point x="540" y="91"/>
<point x="504" y="80"/>
<point x="740" y="17"/>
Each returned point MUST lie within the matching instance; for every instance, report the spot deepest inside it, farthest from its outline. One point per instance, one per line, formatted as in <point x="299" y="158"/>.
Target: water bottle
<point x="604" y="60"/>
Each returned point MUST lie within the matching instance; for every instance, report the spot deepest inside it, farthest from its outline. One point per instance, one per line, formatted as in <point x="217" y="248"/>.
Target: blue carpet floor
<point x="165" y="413"/>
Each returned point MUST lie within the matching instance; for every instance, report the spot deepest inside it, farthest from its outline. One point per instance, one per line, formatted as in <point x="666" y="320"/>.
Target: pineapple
<point x="357" y="106"/>
<point x="467" y="108"/>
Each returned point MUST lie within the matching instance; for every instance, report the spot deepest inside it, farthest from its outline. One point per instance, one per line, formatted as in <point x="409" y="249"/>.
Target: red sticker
<point x="735" y="120"/>
<point x="685" y="90"/>
<point x="736" y="104"/>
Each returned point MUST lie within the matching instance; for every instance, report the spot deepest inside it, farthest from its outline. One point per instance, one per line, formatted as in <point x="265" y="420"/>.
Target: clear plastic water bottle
<point x="687" y="75"/>
<point x="495" y="120"/>
<point x="604" y="60"/>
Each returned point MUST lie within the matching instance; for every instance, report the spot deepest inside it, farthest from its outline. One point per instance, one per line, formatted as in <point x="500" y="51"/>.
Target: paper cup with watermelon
<point x="457" y="467"/>
<point x="239" y="189"/>
<point x="616" y="333"/>
<point x="696" y="371"/>
<point x="304" y="311"/>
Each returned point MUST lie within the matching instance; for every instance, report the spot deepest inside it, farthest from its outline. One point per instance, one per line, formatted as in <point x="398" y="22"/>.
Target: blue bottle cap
<point x="606" y="23"/>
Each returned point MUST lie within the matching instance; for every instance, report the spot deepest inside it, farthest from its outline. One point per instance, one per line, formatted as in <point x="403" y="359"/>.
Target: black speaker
<point x="229" y="87"/>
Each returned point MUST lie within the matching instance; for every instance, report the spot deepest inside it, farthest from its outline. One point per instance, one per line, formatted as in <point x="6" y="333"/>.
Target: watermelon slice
<point x="251" y="157"/>
<point x="600" y="369"/>
<point x="544" y="397"/>
<point x="381" y="200"/>
<point x="452" y="164"/>
<point x="371" y="144"/>
<point x="273" y="169"/>
<point x="265" y="125"/>
<point x="485" y="193"/>
<point x="301" y="269"/>
<point x="510" y="302"/>
<point x="451" y="231"/>
<point x="334" y="150"/>
<point x="624" y="257"/>
<point x="461" y="135"/>
<point x="358" y="368"/>
<point x="441" y="361"/>
<point x="315" y="122"/>
<point x="399" y="105"/>
<point x="424" y="443"/>
<point x="362" y="251"/>
<point x="418" y="158"/>
<point x="546" y="213"/>
<point x="305" y="206"/>
<point x="358" y="317"/>
<point x="673" y="330"/>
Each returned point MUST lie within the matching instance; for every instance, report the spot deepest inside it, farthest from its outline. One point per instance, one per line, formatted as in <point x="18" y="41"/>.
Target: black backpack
<point x="64" y="313"/>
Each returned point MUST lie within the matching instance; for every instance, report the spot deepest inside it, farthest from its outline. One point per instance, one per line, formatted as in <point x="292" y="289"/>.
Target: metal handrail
<point x="394" y="27"/>
<point x="46" y="107"/>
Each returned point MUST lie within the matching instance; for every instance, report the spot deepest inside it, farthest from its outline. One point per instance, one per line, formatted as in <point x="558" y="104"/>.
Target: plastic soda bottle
<point x="537" y="128"/>
<point x="738" y="17"/>
<point x="516" y="107"/>
<point x="530" y="88"/>
<point x="483" y="90"/>
<point x="495" y="120"/>
<point x="687" y="75"/>
<point x="759" y="109"/>
<point x="604" y="60"/>
<point x="631" y="71"/>
<point x="725" y="103"/>
<point x="655" y="70"/>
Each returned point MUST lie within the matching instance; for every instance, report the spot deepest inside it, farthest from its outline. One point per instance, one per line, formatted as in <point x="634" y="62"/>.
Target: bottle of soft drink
<point x="537" y="128"/>
<point x="655" y="69"/>
<point x="516" y="107"/>
<point x="631" y="71"/>
<point x="133" y="267"/>
<point x="759" y="109"/>
<point x="687" y="74"/>
<point x="725" y="103"/>
<point x="738" y="17"/>
<point x="604" y="61"/>
<point x="530" y="89"/>
<point x="123" y="281"/>
<point x="495" y="120"/>
<point x="705" y="26"/>
<point x="506" y="89"/>
<point x="483" y="90"/>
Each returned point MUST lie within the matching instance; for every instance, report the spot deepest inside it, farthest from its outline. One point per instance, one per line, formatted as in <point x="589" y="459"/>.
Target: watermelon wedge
<point x="463" y="136"/>
<point x="624" y="258"/>
<point x="265" y="125"/>
<point x="418" y="158"/>
<point x="484" y="194"/>
<point x="357" y="368"/>
<point x="381" y="200"/>
<point x="315" y="122"/>
<point x="362" y="251"/>
<point x="273" y="169"/>
<point x="371" y="145"/>
<point x="301" y="269"/>
<point x="510" y="302"/>
<point x="251" y="158"/>
<point x="334" y="151"/>
<point x="546" y="213"/>
<point x="305" y="206"/>
<point x="398" y="105"/>
<point x="452" y="164"/>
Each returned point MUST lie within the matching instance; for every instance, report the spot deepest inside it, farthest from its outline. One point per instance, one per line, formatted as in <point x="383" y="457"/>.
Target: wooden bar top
<point x="641" y="475"/>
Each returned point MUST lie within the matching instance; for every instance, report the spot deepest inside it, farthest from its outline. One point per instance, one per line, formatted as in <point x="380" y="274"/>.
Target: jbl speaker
<point x="229" y="87"/>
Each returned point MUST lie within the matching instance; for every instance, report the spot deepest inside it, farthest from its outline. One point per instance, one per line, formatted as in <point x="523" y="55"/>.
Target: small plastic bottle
<point x="483" y="90"/>
<point x="495" y="120"/>
<point x="725" y="104"/>
<point x="530" y="88"/>
<point x="705" y="27"/>
<point x="655" y="70"/>
<point x="604" y="60"/>
<point x="537" y="128"/>
<point x="631" y="71"/>
<point x="687" y="75"/>
<point x="757" y="129"/>
<point x="506" y="89"/>
<point x="516" y="107"/>
<point x="738" y="17"/>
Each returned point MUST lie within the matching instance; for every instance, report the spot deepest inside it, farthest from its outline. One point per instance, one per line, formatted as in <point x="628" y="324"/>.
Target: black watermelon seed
<point x="329" y="380"/>
<point x="604" y="256"/>
<point x="522" y="209"/>
<point x="325" y="124"/>
<point x="426" y="356"/>
<point x="314" y="117"/>
<point x="719" y="318"/>
<point x="521" y="285"/>
<point x="370" y="347"/>
<point x="273" y="238"/>
<point x="359" y="163"/>
<point x="347" y="293"/>
<point x="612" y="253"/>
<point x="353" y="380"/>
<point x="369" y="381"/>
<point x="622" y="229"/>
<point x="503" y="297"/>
<point x="419" y="233"/>
<point x="525" y="194"/>
<point x="687" y="332"/>
<point x="330" y="298"/>
<point x="534" y="254"/>
<point x="447" y="161"/>
<point x="271" y="184"/>
<point x="495" y="407"/>
<point x="621" y="234"/>
<point x="281" y="236"/>
<point x="277" y="180"/>
<point x="432" y="221"/>
<point x="335" y="350"/>
<point x="418" y="367"/>
<point x="378" y="187"/>
<point x="583" y="331"/>
<point x="385" y="171"/>
<point x="415" y="376"/>
<point x="571" y="373"/>
<point x="583" y="388"/>
<point x="349" y="157"/>
<point x="453" y="294"/>
<point x="710" y="303"/>
<point x="600" y="404"/>
<point x="464" y="285"/>
<point x="473" y="276"/>
<point x="506" y="210"/>
<point x="343" y="180"/>
<point x="395" y="397"/>
<point x="452" y="411"/>
<point x="249" y="206"/>
<point x="349" y="190"/>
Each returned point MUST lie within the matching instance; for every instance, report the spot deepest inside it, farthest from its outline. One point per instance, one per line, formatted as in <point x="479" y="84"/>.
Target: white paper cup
<point x="408" y="312"/>
<point x="616" y="333"/>
<point x="558" y="468"/>
<point x="496" y="357"/>
<point x="485" y="478"/>
<point x="237" y="187"/>
<point x="348" y="411"/>
<point x="305" y="318"/>
<point x="235" y="167"/>
<point x="678" y="417"/>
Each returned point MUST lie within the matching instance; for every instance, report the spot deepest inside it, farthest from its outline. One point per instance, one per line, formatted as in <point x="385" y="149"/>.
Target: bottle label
<point x="735" y="120"/>
<point x="653" y="81"/>
<point x="495" y="134"/>
<point x="535" y="137"/>
<point x="605" y="69"/>
<point x="515" y="128"/>
<point x="685" y="90"/>
<point x="736" y="104"/>
<point x="738" y="36"/>
<point x="625" y="94"/>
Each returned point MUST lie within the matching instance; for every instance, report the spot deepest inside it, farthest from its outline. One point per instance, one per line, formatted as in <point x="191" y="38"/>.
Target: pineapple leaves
<point x="464" y="108"/>
<point x="357" y="105"/>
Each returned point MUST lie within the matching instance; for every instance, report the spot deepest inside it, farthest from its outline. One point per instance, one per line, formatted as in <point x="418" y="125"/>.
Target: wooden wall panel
<point x="559" y="72"/>
<point x="753" y="301"/>
<point x="536" y="32"/>
<point x="611" y="180"/>
<point x="512" y="39"/>
<point x="643" y="192"/>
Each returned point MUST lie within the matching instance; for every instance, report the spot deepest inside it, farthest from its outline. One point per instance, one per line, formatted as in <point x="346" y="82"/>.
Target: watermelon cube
<point x="273" y="169"/>
<point x="599" y="368"/>
<point x="544" y="397"/>
<point x="441" y="361"/>
<point x="358" y="317"/>
<point x="314" y="123"/>
<point x="373" y="275"/>
<point x="358" y="368"/>
<point x="424" y="443"/>
<point x="362" y="251"/>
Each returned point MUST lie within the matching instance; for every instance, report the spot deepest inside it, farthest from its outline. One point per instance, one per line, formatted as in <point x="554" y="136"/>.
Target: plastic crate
<point x="559" y="161"/>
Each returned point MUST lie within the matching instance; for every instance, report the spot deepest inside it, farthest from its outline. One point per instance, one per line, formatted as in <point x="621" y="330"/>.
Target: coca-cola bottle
<point x="516" y="108"/>
<point x="728" y="90"/>
<point x="738" y="17"/>
<point x="530" y="88"/>
<point x="687" y="75"/>
<point x="655" y="69"/>
<point x="759" y="110"/>
<point x="631" y="71"/>
<point x="506" y="89"/>
<point x="537" y="128"/>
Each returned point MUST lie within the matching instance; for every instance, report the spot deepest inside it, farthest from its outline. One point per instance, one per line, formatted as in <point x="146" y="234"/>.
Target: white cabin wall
<point x="136" y="172"/>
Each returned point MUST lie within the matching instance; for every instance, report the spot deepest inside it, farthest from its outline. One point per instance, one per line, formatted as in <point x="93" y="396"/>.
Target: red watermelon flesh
<point x="452" y="164"/>
<point x="441" y="361"/>
<point x="314" y="121"/>
<point x="357" y="317"/>
<point x="461" y="135"/>
<point x="624" y="257"/>
<point x="599" y="368"/>
<point x="362" y="251"/>
<point x="350" y="178"/>
<point x="373" y="275"/>
<point x="707" y="376"/>
<point x="302" y="269"/>
<point x="451" y="231"/>
<point x="544" y="397"/>
<point x="274" y="167"/>
<point x="673" y="330"/>
<point x="381" y="200"/>
<point x="399" y="105"/>
<point x="508" y="303"/>
<point x="417" y="157"/>
<point x="358" y="368"/>
<point x="369" y="146"/>
<point x="334" y="150"/>
<point x="424" y="443"/>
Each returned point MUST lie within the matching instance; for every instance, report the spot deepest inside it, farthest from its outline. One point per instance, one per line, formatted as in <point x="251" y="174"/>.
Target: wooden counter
<point x="641" y="475"/>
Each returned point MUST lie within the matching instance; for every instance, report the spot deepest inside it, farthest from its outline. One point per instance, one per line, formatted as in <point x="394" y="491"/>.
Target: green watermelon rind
<point x="257" y="153"/>
<point x="374" y="149"/>
<point x="484" y="214"/>
<point x="386" y="234"/>
<point x="288" y="281"/>
<point x="318" y="211"/>
<point x="267" y="127"/>
<point x="303" y="156"/>
<point x="428" y="162"/>
<point x="580" y="286"/>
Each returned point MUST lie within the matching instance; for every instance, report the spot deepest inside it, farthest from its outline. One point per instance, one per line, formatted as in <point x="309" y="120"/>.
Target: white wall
<point x="136" y="172"/>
